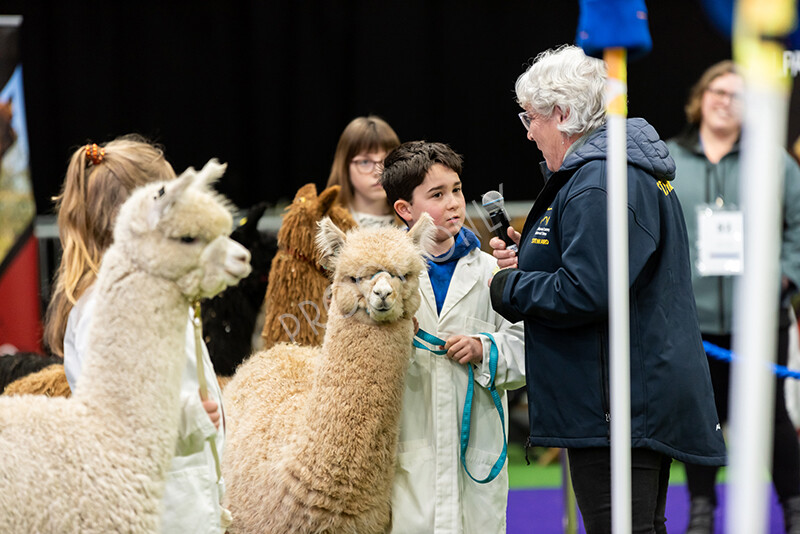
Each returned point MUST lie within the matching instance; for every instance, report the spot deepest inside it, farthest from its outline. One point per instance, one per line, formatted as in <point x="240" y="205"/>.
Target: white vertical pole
<point x="619" y="328"/>
<point x="756" y="305"/>
<point x="756" y="302"/>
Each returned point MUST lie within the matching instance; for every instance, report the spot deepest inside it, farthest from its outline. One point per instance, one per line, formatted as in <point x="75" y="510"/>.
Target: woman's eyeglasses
<point x="722" y="94"/>
<point x="366" y="166"/>
<point x="526" y="120"/>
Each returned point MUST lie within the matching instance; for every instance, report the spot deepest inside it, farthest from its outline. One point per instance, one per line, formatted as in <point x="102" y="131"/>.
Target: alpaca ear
<point x="422" y="234"/>
<point x="167" y="193"/>
<point x="327" y="198"/>
<point x="166" y="196"/>
<point x="211" y="172"/>
<point x="306" y="193"/>
<point x="330" y="240"/>
<point x="249" y="223"/>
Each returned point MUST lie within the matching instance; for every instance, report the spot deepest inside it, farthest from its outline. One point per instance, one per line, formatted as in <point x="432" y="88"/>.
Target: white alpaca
<point x="313" y="431"/>
<point x="96" y="463"/>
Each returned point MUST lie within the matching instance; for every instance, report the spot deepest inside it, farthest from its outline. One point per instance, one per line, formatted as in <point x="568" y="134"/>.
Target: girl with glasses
<point x="357" y="167"/>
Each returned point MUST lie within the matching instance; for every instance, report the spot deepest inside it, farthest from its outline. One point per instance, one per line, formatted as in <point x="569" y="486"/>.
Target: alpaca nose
<point x="237" y="261"/>
<point x="242" y="255"/>
<point x="382" y="293"/>
<point x="382" y="289"/>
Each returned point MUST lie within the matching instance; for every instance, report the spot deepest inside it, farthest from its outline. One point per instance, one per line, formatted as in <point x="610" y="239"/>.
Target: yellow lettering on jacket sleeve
<point x="665" y="187"/>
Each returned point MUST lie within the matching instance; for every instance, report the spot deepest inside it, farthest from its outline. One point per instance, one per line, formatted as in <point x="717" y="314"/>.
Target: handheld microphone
<point x="493" y="204"/>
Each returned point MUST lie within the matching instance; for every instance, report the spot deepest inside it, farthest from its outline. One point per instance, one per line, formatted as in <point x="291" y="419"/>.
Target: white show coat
<point x="432" y="493"/>
<point x="192" y="497"/>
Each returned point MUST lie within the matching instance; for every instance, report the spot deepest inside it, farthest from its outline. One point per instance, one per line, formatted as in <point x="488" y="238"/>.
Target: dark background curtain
<point x="269" y="86"/>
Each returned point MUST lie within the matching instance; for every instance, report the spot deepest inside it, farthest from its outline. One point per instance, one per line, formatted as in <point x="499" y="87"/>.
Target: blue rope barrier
<point x="726" y="355"/>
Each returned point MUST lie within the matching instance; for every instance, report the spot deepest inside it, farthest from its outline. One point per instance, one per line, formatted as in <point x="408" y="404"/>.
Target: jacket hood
<point x="645" y="150"/>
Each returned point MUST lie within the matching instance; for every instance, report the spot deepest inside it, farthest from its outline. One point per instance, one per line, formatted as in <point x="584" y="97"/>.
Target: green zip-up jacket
<point x="698" y="181"/>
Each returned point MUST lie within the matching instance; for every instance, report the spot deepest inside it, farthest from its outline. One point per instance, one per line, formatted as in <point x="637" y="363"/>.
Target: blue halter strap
<point x="421" y="336"/>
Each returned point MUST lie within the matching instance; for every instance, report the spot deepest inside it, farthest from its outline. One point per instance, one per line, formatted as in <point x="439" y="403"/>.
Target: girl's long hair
<point x="90" y="198"/>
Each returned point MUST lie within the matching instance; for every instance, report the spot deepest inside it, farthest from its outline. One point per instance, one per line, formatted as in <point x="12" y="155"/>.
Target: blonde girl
<point x="98" y="180"/>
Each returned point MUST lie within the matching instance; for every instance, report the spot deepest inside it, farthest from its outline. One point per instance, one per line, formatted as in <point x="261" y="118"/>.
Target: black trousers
<point x="785" y="468"/>
<point x="590" y="469"/>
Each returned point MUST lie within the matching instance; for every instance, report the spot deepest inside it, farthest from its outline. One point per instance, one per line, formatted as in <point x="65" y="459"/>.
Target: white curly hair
<point x="565" y="78"/>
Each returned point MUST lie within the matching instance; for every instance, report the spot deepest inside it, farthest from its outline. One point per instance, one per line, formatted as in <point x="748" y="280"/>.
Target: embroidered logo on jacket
<point x="543" y="231"/>
<point x="665" y="187"/>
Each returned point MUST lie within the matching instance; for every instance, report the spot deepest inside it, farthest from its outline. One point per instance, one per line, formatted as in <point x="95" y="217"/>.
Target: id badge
<point x="720" y="241"/>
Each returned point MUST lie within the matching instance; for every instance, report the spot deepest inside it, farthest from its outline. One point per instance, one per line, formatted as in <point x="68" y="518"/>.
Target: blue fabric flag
<point x="614" y="24"/>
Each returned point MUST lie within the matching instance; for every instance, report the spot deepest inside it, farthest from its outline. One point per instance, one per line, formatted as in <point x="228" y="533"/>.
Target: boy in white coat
<point x="432" y="491"/>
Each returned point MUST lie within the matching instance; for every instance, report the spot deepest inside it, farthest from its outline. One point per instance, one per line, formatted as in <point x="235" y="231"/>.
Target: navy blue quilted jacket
<point x="560" y="290"/>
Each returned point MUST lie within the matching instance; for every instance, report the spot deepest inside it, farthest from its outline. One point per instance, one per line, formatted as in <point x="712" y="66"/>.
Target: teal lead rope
<point x="428" y="338"/>
<point x="467" y="415"/>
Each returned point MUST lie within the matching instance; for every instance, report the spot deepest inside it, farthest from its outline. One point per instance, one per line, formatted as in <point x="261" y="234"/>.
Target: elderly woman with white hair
<point x="558" y="285"/>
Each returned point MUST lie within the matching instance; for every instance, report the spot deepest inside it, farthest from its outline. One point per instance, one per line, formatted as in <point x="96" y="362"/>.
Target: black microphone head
<point x="492" y="200"/>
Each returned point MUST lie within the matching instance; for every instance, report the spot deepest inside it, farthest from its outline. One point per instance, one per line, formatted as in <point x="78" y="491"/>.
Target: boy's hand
<point x="212" y="409"/>
<point x="505" y="258"/>
<point x="464" y="349"/>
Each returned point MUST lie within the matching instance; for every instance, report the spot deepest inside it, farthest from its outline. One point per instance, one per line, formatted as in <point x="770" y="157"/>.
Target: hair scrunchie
<point x="95" y="153"/>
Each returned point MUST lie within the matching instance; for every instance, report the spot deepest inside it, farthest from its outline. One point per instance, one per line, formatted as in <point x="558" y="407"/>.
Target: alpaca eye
<point x="188" y="239"/>
<point x="354" y="279"/>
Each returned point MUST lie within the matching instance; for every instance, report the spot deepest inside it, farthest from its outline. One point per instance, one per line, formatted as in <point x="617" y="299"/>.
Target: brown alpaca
<point x="50" y="381"/>
<point x="312" y="432"/>
<point x="296" y="310"/>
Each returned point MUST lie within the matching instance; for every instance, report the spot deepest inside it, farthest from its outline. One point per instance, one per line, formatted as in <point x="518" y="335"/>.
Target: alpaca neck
<point x="136" y="350"/>
<point x="356" y="398"/>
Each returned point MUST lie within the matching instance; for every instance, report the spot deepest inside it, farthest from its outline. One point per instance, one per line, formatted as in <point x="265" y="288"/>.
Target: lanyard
<point x="467" y="415"/>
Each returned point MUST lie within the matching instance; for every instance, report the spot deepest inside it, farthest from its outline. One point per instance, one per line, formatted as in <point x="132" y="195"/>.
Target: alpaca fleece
<point x="50" y="381"/>
<point x="99" y="458"/>
<point x="313" y="431"/>
<point x="15" y="366"/>
<point x="294" y="301"/>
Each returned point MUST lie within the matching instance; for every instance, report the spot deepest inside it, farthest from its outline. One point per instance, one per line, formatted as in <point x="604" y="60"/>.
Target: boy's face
<point x="441" y="197"/>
